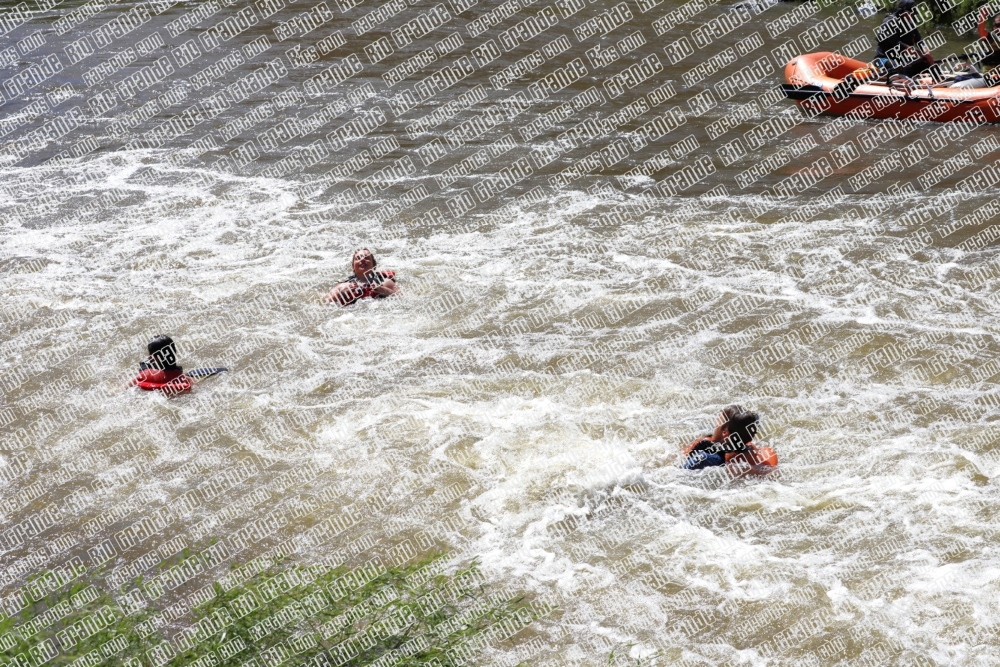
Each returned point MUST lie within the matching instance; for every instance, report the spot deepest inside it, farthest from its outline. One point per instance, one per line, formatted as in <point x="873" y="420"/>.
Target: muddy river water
<point x="607" y="224"/>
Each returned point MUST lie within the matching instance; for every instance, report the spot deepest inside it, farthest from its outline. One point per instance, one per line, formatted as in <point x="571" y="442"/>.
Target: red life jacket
<point x="367" y="290"/>
<point x="171" y="382"/>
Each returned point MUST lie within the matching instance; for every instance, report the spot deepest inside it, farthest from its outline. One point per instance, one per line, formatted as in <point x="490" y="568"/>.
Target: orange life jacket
<point x="169" y="381"/>
<point x="755" y="456"/>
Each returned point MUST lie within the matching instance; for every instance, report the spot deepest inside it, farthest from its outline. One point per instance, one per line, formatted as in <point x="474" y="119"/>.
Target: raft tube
<point x="816" y="81"/>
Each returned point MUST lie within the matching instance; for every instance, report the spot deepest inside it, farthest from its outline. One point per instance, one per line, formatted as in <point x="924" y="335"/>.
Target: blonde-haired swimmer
<point x="366" y="281"/>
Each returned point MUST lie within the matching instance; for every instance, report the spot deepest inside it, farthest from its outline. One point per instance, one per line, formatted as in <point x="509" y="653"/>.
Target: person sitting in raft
<point x="992" y="57"/>
<point x="733" y="436"/>
<point x="366" y="281"/>
<point x="900" y="49"/>
<point x="160" y="369"/>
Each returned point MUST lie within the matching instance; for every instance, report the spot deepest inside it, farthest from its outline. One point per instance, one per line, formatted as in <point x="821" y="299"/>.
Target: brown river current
<point x="607" y="224"/>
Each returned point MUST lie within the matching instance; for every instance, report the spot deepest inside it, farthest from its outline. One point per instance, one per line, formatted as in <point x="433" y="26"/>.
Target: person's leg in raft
<point x="700" y="460"/>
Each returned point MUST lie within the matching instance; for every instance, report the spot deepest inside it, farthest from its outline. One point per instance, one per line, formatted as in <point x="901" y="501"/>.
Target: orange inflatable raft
<point x="833" y="84"/>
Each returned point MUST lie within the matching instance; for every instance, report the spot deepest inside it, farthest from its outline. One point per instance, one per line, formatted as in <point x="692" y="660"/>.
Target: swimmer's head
<point x="744" y="426"/>
<point x="363" y="261"/>
<point x="904" y="7"/>
<point x="723" y="420"/>
<point x="162" y="352"/>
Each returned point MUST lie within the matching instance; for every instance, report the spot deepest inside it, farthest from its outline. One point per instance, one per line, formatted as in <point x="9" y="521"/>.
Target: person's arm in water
<point x="349" y="291"/>
<point x="336" y="294"/>
<point x="387" y="287"/>
<point x="344" y="293"/>
<point x="702" y="455"/>
<point x="700" y="444"/>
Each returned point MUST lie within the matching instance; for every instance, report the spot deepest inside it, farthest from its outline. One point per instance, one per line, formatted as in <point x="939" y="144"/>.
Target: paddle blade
<point x="204" y="372"/>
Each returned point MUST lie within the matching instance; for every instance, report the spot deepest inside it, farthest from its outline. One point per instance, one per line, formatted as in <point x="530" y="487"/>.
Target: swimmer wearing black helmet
<point x="160" y="370"/>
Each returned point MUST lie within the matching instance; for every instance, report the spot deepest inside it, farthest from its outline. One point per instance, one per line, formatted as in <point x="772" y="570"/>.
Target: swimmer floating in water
<point x="732" y="441"/>
<point x="366" y="281"/>
<point x="160" y="370"/>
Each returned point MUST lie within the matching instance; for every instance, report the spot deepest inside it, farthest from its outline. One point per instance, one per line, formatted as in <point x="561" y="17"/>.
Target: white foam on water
<point x="555" y="389"/>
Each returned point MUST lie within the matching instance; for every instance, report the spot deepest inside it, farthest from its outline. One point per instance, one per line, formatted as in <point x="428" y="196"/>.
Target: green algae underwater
<point x="274" y="612"/>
